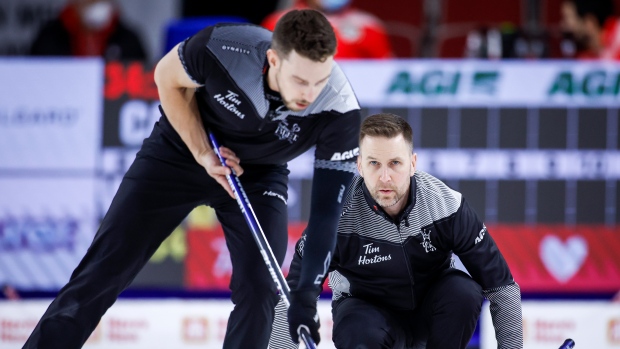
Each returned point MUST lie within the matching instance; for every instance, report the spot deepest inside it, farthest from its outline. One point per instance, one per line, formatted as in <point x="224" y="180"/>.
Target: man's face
<point x="387" y="165"/>
<point x="299" y="79"/>
<point x="95" y="14"/>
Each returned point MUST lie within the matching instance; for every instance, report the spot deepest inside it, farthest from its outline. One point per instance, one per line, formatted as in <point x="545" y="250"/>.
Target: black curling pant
<point x="445" y="319"/>
<point x="160" y="189"/>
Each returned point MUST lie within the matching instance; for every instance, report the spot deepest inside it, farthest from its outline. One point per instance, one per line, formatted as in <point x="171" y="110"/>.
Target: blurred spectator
<point x="484" y="43"/>
<point x="359" y="34"/>
<point x="88" y="28"/>
<point x="10" y="293"/>
<point x="506" y="41"/>
<point x="592" y="28"/>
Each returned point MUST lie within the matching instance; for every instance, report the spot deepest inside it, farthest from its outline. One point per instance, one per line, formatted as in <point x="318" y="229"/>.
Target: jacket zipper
<point x="402" y="246"/>
<point x="263" y="122"/>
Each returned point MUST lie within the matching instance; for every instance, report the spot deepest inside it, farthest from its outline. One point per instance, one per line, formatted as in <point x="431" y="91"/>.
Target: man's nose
<point x="385" y="175"/>
<point x="309" y="94"/>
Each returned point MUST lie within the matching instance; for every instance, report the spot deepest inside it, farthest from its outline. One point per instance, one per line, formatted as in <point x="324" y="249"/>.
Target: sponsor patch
<point x="346" y="155"/>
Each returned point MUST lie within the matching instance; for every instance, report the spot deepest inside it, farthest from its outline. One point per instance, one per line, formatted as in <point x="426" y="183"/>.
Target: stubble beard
<point x="383" y="201"/>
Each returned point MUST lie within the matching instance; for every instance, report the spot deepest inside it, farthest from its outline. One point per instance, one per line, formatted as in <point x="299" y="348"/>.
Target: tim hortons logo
<point x="370" y="249"/>
<point x="230" y="102"/>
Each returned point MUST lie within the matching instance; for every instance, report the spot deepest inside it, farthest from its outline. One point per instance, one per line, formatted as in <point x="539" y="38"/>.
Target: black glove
<point x="302" y="313"/>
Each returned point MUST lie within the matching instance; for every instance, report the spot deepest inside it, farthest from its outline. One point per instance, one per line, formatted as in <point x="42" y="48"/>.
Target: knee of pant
<point x="360" y="338"/>
<point x="255" y="292"/>
<point x="353" y="331"/>
<point x="473" y="292"/>
<point x="468" y="296"/>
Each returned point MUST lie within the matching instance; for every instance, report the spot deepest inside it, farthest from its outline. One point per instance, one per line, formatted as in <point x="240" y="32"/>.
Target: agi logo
<point x="345" y="155"/>
<point x="480" y="234"/>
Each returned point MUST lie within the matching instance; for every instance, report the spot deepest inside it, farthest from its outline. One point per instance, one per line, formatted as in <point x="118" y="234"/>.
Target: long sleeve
<point x="328" y="188"/>
<point x="481" y="256"/>
<point x="334" y="167"/>
<point x="280" y="337"/>
<point x="507" y="316"/>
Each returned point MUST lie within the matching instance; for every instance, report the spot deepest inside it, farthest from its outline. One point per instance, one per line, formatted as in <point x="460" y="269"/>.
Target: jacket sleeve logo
<point x="345" y="155"/>
<point x="480" y="234"/>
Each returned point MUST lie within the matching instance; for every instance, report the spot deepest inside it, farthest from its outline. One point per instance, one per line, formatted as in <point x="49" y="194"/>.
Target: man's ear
<point x="359" y="165"/>
<point x="414" y="162"/>
<point x="272" y="58"/>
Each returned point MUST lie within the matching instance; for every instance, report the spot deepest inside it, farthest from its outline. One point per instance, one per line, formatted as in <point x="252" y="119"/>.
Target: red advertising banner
<point x="207" y="264"/>
<point x="542" y="258"/>
<point x="559" y="258"/>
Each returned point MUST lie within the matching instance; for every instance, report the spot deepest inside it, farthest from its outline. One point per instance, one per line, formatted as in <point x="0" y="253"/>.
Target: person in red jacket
<point x="595" y="28"/>
<point x="359" y="34"/>
<point x="88" y="28"/>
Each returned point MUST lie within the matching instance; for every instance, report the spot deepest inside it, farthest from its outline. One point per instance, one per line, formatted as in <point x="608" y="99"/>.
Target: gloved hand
<point x="302" y="313"/>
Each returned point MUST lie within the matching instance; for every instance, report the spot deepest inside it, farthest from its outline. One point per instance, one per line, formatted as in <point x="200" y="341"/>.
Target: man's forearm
<point x="182" y="112"/>
<point x="328" y="190"/>
<point x="177" y="97"/>
<point x="507" y="315"/>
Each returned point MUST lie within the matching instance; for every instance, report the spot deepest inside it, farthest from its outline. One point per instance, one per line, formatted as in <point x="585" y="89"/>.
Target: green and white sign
<point x="407" y="83"/>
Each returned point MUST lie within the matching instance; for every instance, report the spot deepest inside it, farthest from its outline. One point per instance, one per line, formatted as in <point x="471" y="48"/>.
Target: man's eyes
<point x="374" y="163"/>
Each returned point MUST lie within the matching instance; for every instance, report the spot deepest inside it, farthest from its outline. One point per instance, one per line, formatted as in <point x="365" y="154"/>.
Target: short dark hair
<point x="307" y="32"/>
<point x="600" y="9"/>
<point x="386" y="125"/>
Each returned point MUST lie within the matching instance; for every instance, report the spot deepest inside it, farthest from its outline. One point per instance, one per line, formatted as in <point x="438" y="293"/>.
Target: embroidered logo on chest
<point x="284" y="132"/>
<point x="426" y="241"/>
<point x="230" y="102"/>
<point x="371" y="255"/>
<point x="277" y="114"/>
